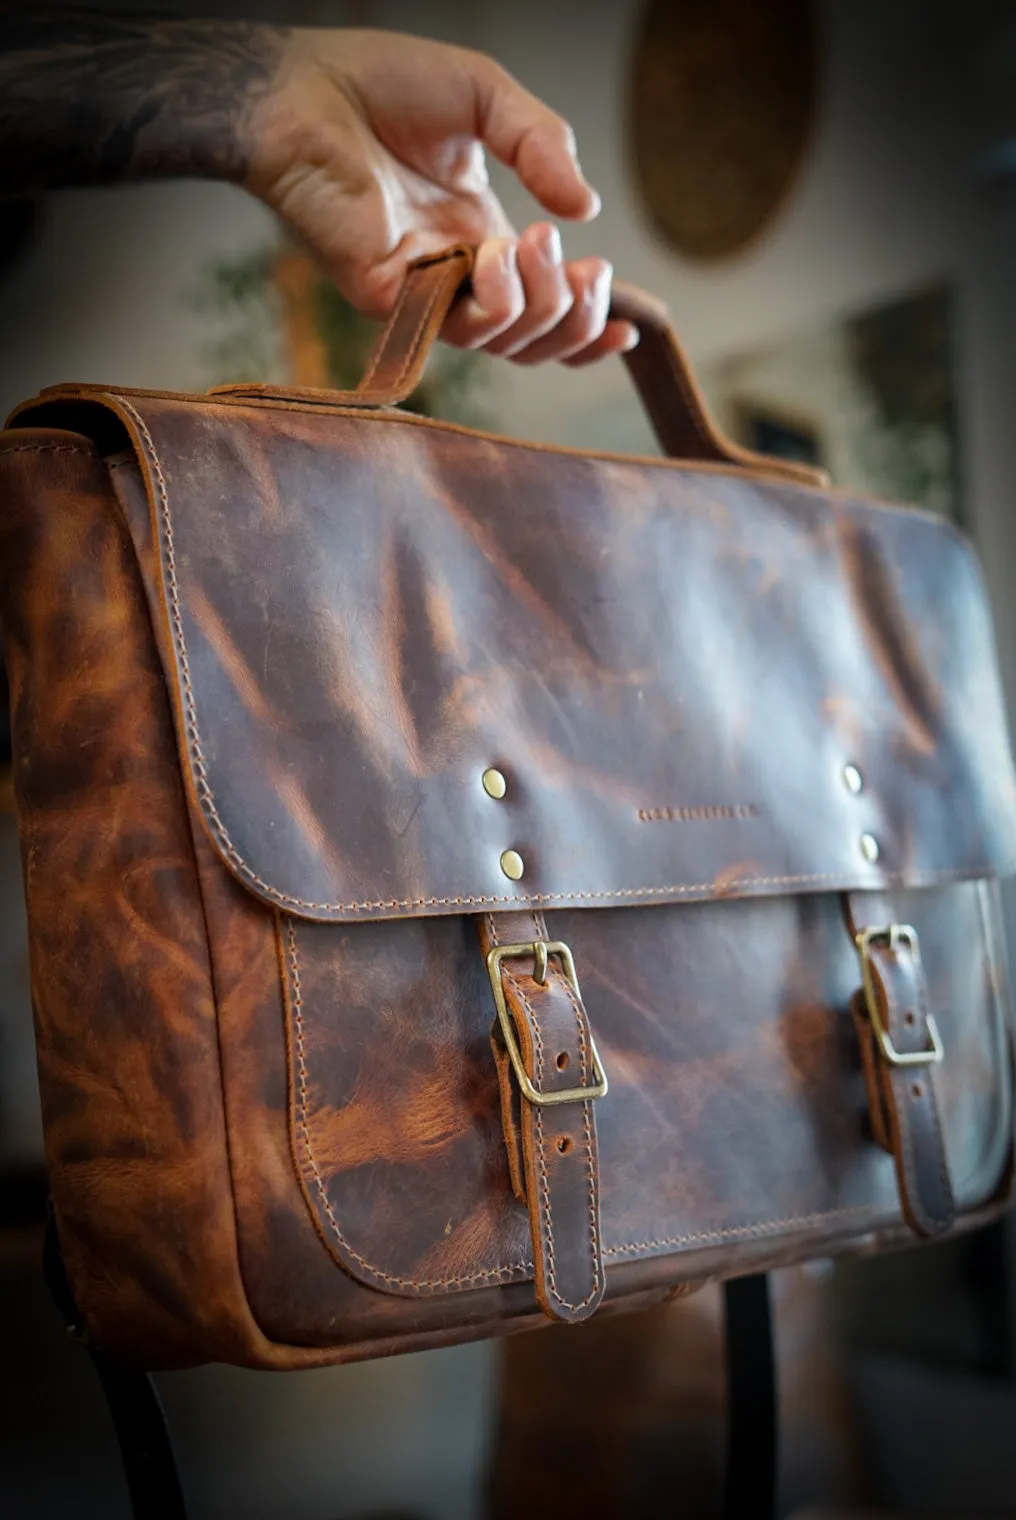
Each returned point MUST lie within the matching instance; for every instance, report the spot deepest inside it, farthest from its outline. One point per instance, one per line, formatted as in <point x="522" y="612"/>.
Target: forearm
<point x="368" y="145"/>
<point x="93" y="97"/>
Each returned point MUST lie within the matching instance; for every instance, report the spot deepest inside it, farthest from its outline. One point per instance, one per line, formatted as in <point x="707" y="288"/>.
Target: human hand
<point x="370" y="146"/>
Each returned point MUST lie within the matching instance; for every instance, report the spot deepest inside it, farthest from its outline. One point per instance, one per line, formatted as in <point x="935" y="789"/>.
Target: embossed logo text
<point x="719" y="811"/>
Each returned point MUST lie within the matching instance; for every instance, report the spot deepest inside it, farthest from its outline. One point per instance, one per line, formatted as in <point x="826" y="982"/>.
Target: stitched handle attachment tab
<point x="657" y="365"/>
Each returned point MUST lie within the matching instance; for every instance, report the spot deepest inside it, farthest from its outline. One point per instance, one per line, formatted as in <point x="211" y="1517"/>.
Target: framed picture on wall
<point x="869" y="396"/>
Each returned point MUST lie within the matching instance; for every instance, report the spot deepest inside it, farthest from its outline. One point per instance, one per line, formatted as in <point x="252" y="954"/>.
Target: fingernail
<point x="631" y="341"/>
<point x="550" y="246"/>
<point x="505" y="261"/>
<point x="596" y="203"/>
<point x="474" y="178"/>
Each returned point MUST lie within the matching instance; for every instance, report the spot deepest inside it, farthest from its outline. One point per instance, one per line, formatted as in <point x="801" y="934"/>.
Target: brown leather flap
<point x="671" y="665"/>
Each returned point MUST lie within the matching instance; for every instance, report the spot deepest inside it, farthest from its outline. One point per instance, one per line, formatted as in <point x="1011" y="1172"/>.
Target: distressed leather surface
<point x="321" y="1170"/>
<point x="671" y="666"/>
<point x="124" y="1008"/>
<point x="737" y="1106"/>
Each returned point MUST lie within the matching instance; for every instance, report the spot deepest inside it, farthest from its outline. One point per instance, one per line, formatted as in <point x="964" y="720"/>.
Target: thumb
<point x="533" y="140"/>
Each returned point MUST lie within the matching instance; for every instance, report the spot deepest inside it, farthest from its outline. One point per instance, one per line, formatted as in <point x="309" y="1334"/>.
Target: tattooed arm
<point x="369" y="145"/>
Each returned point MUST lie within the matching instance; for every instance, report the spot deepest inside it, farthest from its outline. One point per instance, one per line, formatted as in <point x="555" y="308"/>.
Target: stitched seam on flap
<point x="206" y="797"/>
<point x="49" y="448"/>
<point x="741" y="1231"/>
<point x="494" y="1274"/>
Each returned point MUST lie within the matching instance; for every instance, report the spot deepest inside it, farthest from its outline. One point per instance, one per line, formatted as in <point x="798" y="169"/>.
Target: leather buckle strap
<point x="540" y="950"/>
<point x="900" y="1047"/>
<point x="895" y="935"/>
<point x="550" y="1076"/>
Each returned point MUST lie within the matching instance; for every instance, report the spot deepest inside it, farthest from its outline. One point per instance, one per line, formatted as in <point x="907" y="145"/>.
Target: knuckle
<point x="550" y="309"/>
<point x="374" y="296"/>
<point x="483" y="67"/>
<point x="515" y="306"/>
<point x="588" y="323"/>
<point x="559" y="127"/>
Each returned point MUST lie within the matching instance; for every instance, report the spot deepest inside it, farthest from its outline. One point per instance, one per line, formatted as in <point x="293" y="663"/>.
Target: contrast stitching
<point x="49" y="448"/>
<point x="375" y="362"/>
<point x="735" y="1232"/>
<point x="693" y="409"/>
<point x="409" y="360"/>
<point x="585" y="1061"/>
<point x="725" y="469"/>
<point x="544" y="1183"/>
<point x="738" y="1232"/>
<point x="899" y="1084"/>
<point x="207" y="801"/>
<point x="430" y="1285"/>
<point x="940" y="1155"/>
<point x="906" y="1140"/>
<point x="206" y="797"/>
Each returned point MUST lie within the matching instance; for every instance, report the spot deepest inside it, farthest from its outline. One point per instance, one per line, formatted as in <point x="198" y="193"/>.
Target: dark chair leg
<point x="752" y="1467"/>
<point x="751" y="1464"/>
<point x="146" y="1450"/>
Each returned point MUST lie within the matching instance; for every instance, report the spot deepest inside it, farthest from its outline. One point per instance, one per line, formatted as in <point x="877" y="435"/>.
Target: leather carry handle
<point x="658" y="365"/>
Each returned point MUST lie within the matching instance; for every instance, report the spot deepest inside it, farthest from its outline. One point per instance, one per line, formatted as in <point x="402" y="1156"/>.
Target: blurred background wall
<point x="905" y="186"/>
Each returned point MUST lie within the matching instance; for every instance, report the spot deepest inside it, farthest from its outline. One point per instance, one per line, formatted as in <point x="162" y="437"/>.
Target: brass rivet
<point x="852" y="779"/>
<point x="869" y="848"/>
<point x="512" y="864"/>
<point x="494" y="783"/>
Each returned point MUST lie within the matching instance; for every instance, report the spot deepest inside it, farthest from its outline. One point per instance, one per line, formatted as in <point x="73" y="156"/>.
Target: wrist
<point x="192" y="118"/>
<point x="306" y="121"/>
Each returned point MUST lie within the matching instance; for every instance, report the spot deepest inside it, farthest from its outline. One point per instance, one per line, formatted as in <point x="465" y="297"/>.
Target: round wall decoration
<point x="722" y="101"/>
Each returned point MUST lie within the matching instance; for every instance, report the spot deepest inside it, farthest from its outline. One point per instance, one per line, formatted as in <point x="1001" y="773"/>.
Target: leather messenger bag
<point x="470" y="881"/>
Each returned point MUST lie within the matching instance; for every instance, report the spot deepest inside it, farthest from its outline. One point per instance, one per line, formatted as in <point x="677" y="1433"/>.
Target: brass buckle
<point x="539" y="950"/>
<point x="894" y="935"/>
